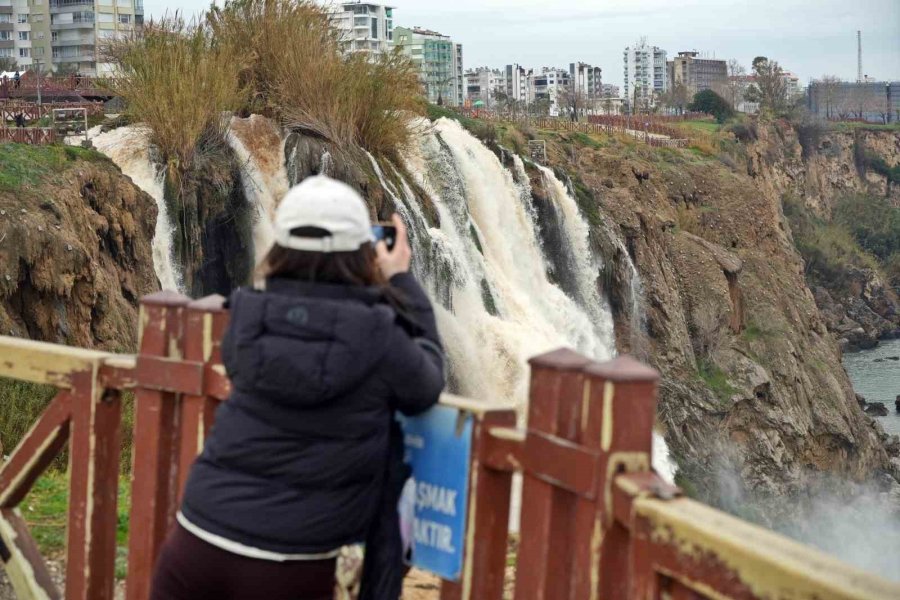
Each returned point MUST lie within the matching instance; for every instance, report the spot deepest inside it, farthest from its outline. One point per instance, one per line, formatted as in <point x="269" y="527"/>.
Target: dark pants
<point x="191" y="569"/>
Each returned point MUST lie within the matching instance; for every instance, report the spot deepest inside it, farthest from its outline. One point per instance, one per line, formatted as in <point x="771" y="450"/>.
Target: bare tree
<point x="677" y="97"/>
<point x="734" y="87"/>
<point x="8" y="64"/>
<point x="828" y="89"/>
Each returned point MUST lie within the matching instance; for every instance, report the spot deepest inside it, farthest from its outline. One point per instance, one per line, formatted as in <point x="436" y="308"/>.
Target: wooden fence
<point x="596" y="522"/>
<point x="651" y="133"/>
<point x="28" y="135"/>
<point x="33" y="111"/>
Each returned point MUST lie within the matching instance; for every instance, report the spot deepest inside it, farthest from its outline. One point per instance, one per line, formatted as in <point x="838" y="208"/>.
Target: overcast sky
<point x="808" y="37"/>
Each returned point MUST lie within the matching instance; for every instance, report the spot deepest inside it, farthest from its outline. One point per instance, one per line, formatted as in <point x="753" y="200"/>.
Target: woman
<point x="295" y="466"/>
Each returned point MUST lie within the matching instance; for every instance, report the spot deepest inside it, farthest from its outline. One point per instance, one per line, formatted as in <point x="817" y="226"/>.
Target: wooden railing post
<point x="94" y="453"/>
<point x="205" y="321"/>
<point x="487" y="530"/>
<point x="555" y="409"/>
<point x="624" y="390"/>
<point x="153" y="482"/>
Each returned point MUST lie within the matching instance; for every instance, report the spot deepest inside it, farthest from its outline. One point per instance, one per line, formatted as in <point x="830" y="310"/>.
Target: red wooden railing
<point x="596" y="522"/>
<point x="28" y="135"/>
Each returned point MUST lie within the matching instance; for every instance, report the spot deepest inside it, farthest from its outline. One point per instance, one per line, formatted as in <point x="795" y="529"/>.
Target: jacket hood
<point x="305" y="343"/>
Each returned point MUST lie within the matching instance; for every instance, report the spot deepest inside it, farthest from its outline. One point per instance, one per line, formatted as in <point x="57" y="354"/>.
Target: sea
<point x="877" y="378"/>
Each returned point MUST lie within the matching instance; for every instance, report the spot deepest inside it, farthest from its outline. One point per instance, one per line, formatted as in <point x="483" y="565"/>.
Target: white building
<point x="549" y="84"/>
<point x="588" y="80"/>
<point x="516" y="79"/>
<point x="483" y="85"/>
<point x="65" y="34"/>
<point x="364" y="26"/>
<point x="645" y="73"/>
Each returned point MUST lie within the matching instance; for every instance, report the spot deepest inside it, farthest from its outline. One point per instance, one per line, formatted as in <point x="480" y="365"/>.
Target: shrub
<point x="744" y="132"/>
<point x="177" y="81"/>
<point x="873" y="221"/>
<point x="829" y="249"/>
<point x="710" y="102"/>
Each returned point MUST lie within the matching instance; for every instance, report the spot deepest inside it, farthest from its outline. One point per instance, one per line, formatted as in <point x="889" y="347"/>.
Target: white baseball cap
<point x="327" y="204"/>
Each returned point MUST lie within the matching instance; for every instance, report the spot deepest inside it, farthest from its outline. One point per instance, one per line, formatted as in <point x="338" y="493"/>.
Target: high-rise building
<point x="439" y="60"/>
<point x="645" y="73"/>
<point x="364" y="26"/>
<point x="697" y="73"/>
<point x="65" y="35"/>
<point x="483" y="86"/>
<point x="609" y="90"/>
<point x="516" y="80"/>
<point x="548" y="85"/>
<point x="587" y="80"/>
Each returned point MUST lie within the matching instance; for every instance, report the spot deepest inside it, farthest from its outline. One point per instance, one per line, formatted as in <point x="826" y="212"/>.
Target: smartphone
<point x="385" y="232"/>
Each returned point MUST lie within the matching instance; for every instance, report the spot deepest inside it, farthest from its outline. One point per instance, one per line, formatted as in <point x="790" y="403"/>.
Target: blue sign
<point x="438" y="446"/>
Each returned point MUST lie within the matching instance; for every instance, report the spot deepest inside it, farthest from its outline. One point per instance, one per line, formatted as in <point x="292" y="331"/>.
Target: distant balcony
<point x="74" y="25"/>
<point x="60" y="6"/>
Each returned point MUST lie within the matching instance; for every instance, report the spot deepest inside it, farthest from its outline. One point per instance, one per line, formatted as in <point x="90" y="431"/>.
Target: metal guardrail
<point x="596" y="521"/>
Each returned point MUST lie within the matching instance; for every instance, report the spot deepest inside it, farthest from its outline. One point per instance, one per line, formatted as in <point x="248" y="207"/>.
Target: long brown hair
<point x="352" y="268"/>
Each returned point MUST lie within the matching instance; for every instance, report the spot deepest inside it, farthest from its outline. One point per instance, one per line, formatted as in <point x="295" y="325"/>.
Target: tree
<point x="734" y="86"/>
<point x="768" y="87"/>
<point x="8" y="64"/>
<point x="827" y="90"/>
<point x="710" y="102"/>
<point x="677" y="97"/>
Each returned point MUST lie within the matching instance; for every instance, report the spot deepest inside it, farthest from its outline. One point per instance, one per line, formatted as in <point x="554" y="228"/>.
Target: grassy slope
<point x="24" y="165"/>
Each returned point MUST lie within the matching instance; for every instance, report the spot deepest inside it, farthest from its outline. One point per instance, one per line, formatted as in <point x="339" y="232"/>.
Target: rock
<point x="897" y="404"/>
<point x="892" y="445"/>
<point x="861" y="401"/>
<point x="893" y="357"/>
<point x="876" y="409"/>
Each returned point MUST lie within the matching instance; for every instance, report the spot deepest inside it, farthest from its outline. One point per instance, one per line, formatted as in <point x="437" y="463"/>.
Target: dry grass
<point x="297" y="72"/>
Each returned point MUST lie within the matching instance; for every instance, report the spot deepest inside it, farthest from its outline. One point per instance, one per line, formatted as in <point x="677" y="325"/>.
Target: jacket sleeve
<point x="415" y="363"/>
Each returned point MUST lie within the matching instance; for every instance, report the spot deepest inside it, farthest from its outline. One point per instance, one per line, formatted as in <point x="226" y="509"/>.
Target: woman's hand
<point x="394" y="261"/>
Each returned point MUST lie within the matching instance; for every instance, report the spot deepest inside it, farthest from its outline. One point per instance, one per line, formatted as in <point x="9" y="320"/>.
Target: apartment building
<point x="609" y="90"/>
<point x="645" y="74"/>
<point x="516" y="78"/>
<point x="697" y="73"/>
<point x="439" y="60"/>
<point x="483" y="85"/>
<point x="364" y="27"/>
<point x="549" y="85"/>
<point x="65" y="35"/>
<point x="587" y="80"/>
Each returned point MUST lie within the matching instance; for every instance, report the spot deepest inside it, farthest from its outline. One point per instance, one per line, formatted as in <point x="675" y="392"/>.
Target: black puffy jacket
<point x="296" y="459"/>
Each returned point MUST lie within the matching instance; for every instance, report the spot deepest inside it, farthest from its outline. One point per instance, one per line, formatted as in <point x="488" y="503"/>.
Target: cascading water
<point x="259" y="147"/>
<point x="129" y="148"/>
<point x="501" y="308"/>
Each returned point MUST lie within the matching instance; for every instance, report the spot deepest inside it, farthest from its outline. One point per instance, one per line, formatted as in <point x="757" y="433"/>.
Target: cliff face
<point x="75" y="248"/>
<point x="814" y="171"/>
<point x="754" y="398"/>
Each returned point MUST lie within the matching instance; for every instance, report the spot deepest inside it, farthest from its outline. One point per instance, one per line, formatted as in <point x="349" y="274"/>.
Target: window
<point x="105" y="2"/>
<point x="5" y="36"/>
<point x="23" y="36"/>
<point x="125" y="19"/>
<point x="106" y="18"/>
<point x="124" y="3"/>
<point x="374" y="28"/>
<point x="24" y="52"/>
<point x="23" y="18"/>
<point x="4" y="18"/>
<point x="54" y="36"/>
<point x="39" y="51"/>
<point x="138" y="19"/>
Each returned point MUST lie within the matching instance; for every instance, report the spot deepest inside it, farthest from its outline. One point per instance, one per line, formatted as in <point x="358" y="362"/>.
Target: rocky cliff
<point x="75" y="248"/>
<point x="754" y="399"/>
<point x="813" y="170"/>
